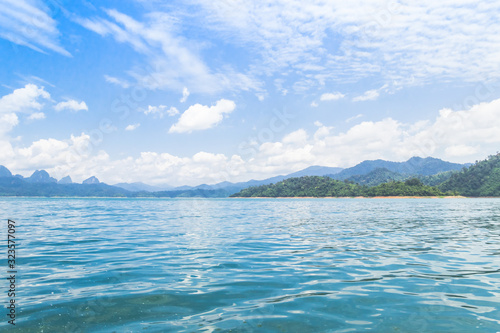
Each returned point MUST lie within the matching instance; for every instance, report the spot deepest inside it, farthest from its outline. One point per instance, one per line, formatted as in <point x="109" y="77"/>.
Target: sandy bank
<point x="388" y="197"/>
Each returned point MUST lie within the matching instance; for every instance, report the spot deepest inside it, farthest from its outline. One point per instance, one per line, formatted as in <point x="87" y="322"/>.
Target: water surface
<point x="265" y="265"/>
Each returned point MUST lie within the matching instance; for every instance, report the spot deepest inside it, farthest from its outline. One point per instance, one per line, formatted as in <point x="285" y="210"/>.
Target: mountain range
<point x="481" y="179"/>
<point x="414" y="166"/>
<point x="41" y="183"/>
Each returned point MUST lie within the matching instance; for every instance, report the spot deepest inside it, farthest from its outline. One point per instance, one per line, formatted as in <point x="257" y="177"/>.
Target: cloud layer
<point x="401" y="43"/>
<point x="459" y="136"/>
<point x="172" y="64"/>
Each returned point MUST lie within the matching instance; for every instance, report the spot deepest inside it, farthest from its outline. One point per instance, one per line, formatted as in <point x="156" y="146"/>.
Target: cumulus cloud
<point x="71" y="105"/>
<point x="160" y="111"/>
<point x="297" y="137"/>
<point x="199" y="117"/>
<point x="460" y="136"/>
<point x="132" y="127"/>
<point x="331" y="96"/>
<point x="27" y="98"/>
<point x="23" y="100"/>
<point x="7" y="122"/>
<point x="66" y="155"/>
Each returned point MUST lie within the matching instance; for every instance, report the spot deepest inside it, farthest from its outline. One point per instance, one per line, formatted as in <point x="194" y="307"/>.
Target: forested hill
<point x="383" y="175"/>
<point x="316" y="186"/>
<point x="479" y="180"/>
<point x="414" y="166"/>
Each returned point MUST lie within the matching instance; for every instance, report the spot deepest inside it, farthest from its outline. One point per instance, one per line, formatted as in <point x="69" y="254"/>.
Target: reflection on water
<point x="305" y="265"/>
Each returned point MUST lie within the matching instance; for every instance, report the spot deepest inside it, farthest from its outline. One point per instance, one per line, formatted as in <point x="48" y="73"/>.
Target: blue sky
<point x="198" y="91"/>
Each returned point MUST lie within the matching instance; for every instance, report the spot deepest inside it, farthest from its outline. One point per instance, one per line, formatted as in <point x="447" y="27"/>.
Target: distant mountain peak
<point x="65" y="180"/>
<point x="91" y="180"/>
<point x="4" y="172"/>
<point x="41" y="176"/>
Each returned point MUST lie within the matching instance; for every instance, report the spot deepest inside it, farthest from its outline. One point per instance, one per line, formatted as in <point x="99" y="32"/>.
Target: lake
<point x="254" y="265"/>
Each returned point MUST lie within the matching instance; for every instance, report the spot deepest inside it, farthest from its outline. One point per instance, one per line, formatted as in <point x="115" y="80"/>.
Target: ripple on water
<point x="105" y="265"/>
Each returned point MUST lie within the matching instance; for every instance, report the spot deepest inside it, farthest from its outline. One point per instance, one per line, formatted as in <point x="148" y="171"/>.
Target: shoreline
<point x="187" y="198"/>
<point x="378" y="197"/>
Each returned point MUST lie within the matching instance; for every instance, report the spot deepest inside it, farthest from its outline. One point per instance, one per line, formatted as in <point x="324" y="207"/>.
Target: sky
<point x="205" y="91"/>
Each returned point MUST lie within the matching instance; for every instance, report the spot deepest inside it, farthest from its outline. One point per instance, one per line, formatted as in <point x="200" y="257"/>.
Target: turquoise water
<point x="240" y="265"/>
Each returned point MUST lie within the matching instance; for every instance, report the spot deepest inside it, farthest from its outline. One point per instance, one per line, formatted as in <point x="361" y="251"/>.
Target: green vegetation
<point x="315" y="186"/>
<point x="307" y="186"/>
<point x="383" y="175"/>
<point x="479" y="180"/>
<point x="410" y="187"/>
<point x="377" y="177"/>
<point x="416" y="166"/>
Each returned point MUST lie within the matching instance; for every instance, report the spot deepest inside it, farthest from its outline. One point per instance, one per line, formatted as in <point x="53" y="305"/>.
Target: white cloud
<point x="67" y="155"/>
<point x="314" y="104"/>
<point x="37" y="116"/>
<point x="32" y="78"/>
<point x="172" y="111"/>
<point x="459" y="136"/>
<point x="369" y="95"/>
<point x="172" y="62"/>
<point x="348" y="120"/>
<point x="185" y="95"/>
<point x="331" y="96"/>
<point x="122" y="83"/>
<point x="160" y="111"/>
<point x="406" y="42"/>
<point x="461" y="150"/>
<point x="200" y="117"/>
<point x="71" y="105"/>
<point x="28" y="23"/>
<point x="7" y="122"/>
<point x="297" y="137"/>
<point x="22" y="100"/>
<point x="132" y="127"/>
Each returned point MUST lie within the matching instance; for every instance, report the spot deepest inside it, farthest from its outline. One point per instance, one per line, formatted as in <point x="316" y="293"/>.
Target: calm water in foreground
<point x="240" y="265"/>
